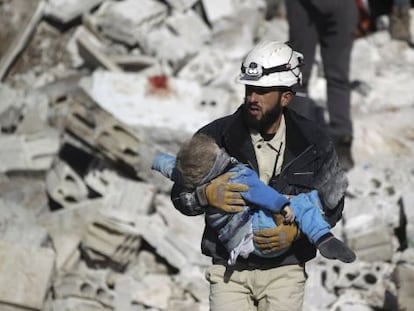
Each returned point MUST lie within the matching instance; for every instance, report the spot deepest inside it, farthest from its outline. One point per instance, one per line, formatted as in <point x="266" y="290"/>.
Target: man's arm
<point x="185" y="202"/>
<point x="331" y="183"/>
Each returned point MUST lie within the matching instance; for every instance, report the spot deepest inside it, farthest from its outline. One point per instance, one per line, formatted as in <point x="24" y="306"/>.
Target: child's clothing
<point x="235" y="231"/>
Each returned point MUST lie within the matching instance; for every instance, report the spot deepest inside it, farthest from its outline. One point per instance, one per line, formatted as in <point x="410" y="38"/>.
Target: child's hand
<point x="288" y="215"/>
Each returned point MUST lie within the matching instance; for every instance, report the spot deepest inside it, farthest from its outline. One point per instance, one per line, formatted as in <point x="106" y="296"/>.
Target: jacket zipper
<point x="295" y="159"/>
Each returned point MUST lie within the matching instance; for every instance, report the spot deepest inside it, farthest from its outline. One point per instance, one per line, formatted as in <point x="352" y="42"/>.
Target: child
<point x="200" y="160"/>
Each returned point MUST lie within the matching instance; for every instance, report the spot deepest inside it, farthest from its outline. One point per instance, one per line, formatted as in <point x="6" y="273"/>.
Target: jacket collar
<point x="299" y="137"/>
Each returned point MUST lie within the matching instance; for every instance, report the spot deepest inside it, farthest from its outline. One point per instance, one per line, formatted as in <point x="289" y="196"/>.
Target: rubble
<point x="93" y="89"/>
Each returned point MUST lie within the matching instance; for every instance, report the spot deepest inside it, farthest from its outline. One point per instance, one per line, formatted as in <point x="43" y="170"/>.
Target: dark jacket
<point x="310" y="162"/>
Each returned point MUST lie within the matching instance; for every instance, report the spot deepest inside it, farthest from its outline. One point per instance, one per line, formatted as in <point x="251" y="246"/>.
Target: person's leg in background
<point x="400" y="20"/>
<point x="337" y="38"/>
<point x="303" y="37"/>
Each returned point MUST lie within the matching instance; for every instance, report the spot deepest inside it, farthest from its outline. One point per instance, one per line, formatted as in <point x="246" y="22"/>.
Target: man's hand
<point x="276" y="239"/>
<point x="224" y="195"/>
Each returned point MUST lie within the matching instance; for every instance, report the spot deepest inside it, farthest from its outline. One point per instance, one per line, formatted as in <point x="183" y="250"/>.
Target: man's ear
<point x="286" y="98"/>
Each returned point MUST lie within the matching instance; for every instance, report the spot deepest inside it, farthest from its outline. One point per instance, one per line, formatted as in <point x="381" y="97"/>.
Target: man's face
<point x="263" y="107"/>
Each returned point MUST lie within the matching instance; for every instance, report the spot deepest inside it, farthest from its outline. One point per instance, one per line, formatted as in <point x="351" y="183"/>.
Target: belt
<point x="258" y="263"/>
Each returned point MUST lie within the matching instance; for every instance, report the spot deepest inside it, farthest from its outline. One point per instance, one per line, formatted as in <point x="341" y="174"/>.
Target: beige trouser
<point x="277" y="289"/>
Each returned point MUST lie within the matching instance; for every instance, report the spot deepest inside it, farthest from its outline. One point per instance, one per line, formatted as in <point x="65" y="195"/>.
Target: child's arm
<point x="259" y="193"/>
<point x="165" y="164"/>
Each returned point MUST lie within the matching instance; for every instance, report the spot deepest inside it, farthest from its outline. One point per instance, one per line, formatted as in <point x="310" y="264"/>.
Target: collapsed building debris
<point x="85" y="104"/>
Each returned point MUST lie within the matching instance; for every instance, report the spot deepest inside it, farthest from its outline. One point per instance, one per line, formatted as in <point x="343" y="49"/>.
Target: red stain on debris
<point x="158" y="85"/>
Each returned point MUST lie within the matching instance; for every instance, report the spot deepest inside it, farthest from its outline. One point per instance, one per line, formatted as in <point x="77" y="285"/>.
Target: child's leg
<point x="307" y="208"/>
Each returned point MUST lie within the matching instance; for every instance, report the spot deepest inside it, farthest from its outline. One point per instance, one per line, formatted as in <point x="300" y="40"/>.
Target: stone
<point x="128" y="21"/>
<point x="65" y="11"/>
<point x="64" y="185"/>
<point x="26" y="274"/>
<point x="99" y="129"/>
<point x="121" y="195"/>
<point x="33" y="152"/>
<point x="404" y="276"/>
<point x="92" y="50"/>
<point x="88" y="284"/>
<point x="108" y="240"/>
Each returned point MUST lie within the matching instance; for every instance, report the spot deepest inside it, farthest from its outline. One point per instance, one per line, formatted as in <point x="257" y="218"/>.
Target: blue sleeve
<point x="259" y="193"/>
<point x="165" y="164"/>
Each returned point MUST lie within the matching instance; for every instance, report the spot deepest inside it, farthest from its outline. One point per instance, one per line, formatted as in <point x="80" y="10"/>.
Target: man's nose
<point x="252" y="96"/>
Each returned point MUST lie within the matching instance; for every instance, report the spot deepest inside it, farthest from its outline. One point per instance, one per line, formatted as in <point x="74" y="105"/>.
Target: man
<point x="292" y="155"/>
<point x="332" y="24"/>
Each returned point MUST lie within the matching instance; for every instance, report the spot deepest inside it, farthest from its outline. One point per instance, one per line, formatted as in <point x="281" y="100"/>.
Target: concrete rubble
<point x="91" y="90"/>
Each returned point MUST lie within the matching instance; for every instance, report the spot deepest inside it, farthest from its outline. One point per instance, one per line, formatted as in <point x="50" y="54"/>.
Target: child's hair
<point x="195" y="159"/>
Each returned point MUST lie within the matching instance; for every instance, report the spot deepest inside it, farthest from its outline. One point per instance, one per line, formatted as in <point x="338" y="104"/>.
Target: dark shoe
<point x="332" y="248"/>
<point x="343" y="149"/>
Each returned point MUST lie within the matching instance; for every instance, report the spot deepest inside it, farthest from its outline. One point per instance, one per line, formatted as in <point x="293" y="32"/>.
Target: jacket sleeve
<point x="185" y="202"/>
<point x="259" y="193"/>
<point x="331" y="184"/>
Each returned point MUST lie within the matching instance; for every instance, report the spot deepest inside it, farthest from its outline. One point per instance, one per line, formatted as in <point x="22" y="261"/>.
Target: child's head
<point x="195" y="159"/>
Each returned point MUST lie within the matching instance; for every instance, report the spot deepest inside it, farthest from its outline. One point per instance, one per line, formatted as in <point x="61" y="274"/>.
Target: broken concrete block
<point x="153" y="290"/>
<point x="370" y="238"/>
<point x="76" y="304"/>
<point x="178" y="226"/>
<point x="28" y="152"/>
<point x="361" y="275"/>
<point x="159" y="41"/>
<point x="192" y="280"/>
<point x="204" y="67"/>
<point x="89" y="284"/>
<point x="26" y="192"/>
<point x="65" y="11"/>
<point x="317" y="272"/>
<point x="146" y="263"/>
<point x="66" y="246"/>
<point x="218" y="9"/>
<point x="190" y="26"/>
<point x="109" y="240"/>
<point x="404" y="278"/>
<point x="233" y="38"/>
<point x="64" y="185"/>
<point x="26" y="274"/>
<point x="100" y="130"/>
<point x="181" y="5"/>
<point x="11" y="108"/>
<point x="74" y="219"/>
<point x="92" y="50"/>
<point x="155" y="232"/>
<point x="121" y="195"/>
<point x="128" y="21"/>
<point x="18" y="225"/>
<point x="10" y="118"/>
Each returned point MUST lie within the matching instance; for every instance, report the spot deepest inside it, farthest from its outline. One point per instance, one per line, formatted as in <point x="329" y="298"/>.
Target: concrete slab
<point x="26" y="274"/>
<point x="65" y="11"/>
<point x="28" y="152"/>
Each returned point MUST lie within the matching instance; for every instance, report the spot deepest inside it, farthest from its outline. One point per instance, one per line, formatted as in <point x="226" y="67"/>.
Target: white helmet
<point x="272" y="63"/>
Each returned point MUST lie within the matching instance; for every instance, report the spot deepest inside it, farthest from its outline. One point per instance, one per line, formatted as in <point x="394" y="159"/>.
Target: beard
<point x="268" y="119"/>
